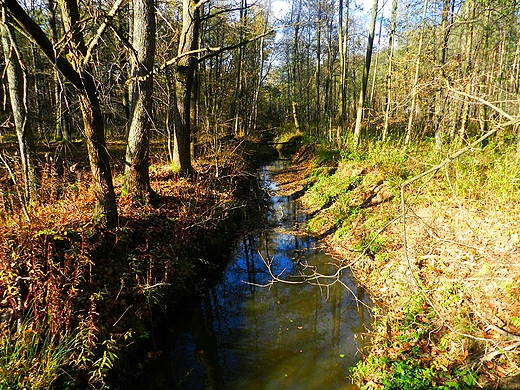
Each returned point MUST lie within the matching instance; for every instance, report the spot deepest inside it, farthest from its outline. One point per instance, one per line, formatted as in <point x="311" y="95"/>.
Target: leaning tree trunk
<point x="80" y="75"/>
<point x="16" y="79"/>
<point x="105" y="212"/>
<point x="137" y="181"/>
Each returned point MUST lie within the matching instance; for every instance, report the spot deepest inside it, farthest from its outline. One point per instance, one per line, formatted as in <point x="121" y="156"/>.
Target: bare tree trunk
<point x="317" y="114"/>
<point x="184" y="78"/>
<point x="94" y="127"/>
<point x="513" y="86"/>
<point x="79" y="74"/>
<point x="376" y="62"/>
<point x="137" y="151"/>
<point x="41" y="106"/>
<point x="254" y="114"/>
<point x="236" y="112"/>
<point x="408" y="134"/>
<point x="440" y="97"/>
<point x="468" y="65"/>
<point x="295" y="66"/>
<point x="295" y="116"/>
<point x="59" y="130"/>
<point x="366" y="71"/>
<point x="388" y="106"/>
<point x="17" y="81"/>
<point x="342" y="43"/>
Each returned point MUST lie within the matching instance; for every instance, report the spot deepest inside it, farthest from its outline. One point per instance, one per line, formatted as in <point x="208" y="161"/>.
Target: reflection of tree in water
<point x="284" y="336"/>
<point x="206" y="345"/>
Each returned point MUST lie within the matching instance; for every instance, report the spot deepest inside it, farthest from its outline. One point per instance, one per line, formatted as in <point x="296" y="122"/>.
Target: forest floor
<point x="90" y="300"/>
<point x="446" y="286"/>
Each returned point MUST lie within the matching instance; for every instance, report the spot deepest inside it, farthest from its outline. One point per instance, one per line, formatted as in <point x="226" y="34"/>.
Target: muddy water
<point x="249" y="334"/>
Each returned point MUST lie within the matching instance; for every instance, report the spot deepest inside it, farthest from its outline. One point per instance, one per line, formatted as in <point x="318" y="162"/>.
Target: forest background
<point x="130" y="82"/>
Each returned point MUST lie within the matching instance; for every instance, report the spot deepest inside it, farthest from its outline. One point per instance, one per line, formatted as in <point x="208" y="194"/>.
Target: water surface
<point x="247" y="333"/>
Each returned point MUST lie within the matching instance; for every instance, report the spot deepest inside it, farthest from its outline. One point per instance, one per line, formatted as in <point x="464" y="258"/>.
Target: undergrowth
<point x="356" y="205"/>
<point x="77" y="301"/>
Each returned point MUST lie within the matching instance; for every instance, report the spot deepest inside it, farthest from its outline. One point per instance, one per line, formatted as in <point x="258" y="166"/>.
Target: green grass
<point x="33" y="360"/>
<point x="38" y="358"/>
<point x="411" y="366"/>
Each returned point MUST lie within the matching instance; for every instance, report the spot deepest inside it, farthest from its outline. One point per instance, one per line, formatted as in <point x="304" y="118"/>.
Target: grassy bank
<point x="80" y="305"/>
<point x="446" y="280"/>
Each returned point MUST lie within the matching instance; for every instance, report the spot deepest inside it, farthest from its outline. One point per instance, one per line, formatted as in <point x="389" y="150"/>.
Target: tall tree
<point x="391" y="44"/>
<point x="408" y="134"/>
<point x="17" y="82"/>
<point x="261" y="64"/>
<point x="137" y="179"/>
<point x="342" y="43"/>
<point x="78" y="71"/>
<point x="93" y="121"/>
<point x="61" y="132"/>
<point x="317" y="71"/>
<point x="184" y="78"/>
<point x="366" y="71"/>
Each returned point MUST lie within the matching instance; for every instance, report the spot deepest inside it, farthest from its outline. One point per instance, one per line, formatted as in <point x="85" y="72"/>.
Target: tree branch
<point x="100" y="31"/>
<point x="512" y="118"/>
<point x="33" y="32"/>
<point x="213" y="51"/>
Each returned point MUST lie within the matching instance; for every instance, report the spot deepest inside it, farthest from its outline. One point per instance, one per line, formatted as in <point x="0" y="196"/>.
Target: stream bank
<point x="96" y="302"/>
<point x="447" y="299"/>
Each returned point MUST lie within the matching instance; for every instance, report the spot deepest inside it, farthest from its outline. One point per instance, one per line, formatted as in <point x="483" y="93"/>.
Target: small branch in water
<point x="314" y="279"/>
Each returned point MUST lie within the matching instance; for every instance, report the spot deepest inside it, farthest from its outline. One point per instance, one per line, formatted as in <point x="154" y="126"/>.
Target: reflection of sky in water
<point x="286" y="336"/>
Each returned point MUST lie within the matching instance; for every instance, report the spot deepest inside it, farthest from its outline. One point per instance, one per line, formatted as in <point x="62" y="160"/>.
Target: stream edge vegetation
<point x="84" y="306"/>
<point x="444" y="283"/>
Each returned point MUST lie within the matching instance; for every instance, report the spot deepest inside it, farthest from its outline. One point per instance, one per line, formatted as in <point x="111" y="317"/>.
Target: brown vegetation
<point x="60" y="272"/>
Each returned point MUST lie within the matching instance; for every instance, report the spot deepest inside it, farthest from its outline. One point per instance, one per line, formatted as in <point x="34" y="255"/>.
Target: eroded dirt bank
<point x="446" y="283"/>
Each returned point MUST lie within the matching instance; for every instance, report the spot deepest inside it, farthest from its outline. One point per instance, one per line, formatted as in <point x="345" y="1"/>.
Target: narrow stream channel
<point x="246" y="335"/>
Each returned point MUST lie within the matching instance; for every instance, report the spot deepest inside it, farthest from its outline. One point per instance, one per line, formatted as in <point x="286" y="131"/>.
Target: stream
<point x="246" y="333"/>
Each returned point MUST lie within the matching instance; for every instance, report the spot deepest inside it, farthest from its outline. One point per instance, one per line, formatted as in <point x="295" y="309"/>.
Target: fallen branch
<point x="512" y="120"/>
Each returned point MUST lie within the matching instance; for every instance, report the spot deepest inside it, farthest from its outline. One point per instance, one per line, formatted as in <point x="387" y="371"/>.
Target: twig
<point x="156" y="285"/>
<point x="121" y="316"/>
<point x="501" y="351"/>
<point x="95" y="40"/>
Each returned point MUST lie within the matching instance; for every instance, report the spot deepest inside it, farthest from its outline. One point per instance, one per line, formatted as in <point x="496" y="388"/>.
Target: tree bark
<point x="17" y="81"/>
<point x="342" y="45"/>
<point x="261" y="64"/>
<point x="388" y="105"/>
<point x="105" y="213"/>
<point x="366" y="71"/>
<point x="408" y="134"/>
<point x="61" y="133"/>
<point x="137" y="180"/>
<point x="184" y="78"/>
<point x="317" y="70"/>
